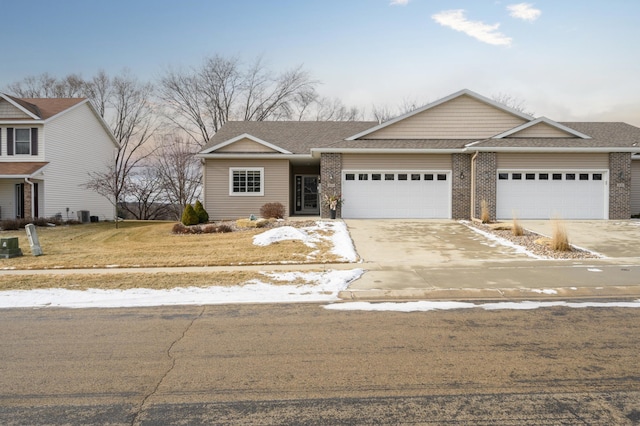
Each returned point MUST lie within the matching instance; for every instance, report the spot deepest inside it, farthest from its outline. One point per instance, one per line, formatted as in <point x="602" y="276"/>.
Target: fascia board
<point x="20" y="107"/>
<point x="553" y="149"/>
<point x="542" y="120"/>
<point x="23" y="122"/>
<point x="246" y="136"/>
<point x="317" y="151"/>
<point x="252" y="156"/>
<point x="439" y="102"/>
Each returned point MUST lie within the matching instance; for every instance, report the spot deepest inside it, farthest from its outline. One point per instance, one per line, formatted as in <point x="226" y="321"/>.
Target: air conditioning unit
<point x="83" y="216"/>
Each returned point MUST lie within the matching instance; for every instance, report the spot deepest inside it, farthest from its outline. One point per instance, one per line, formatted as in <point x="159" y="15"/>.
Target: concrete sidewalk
<point x="427" y="259"/>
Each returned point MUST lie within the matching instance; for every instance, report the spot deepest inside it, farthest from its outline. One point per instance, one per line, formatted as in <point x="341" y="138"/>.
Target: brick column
<point x="331" y="180"/>
<point x="28" y="200"/>
<point x="461" y="186"/>
<point x="619" y="185"/>
<point x="485" y="183"/>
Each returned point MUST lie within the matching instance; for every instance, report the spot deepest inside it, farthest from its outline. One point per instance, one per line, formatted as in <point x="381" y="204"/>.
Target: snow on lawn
<point x="339" y="237"/>
<point x="320" y="287"/>
<point x="424" y="306"/>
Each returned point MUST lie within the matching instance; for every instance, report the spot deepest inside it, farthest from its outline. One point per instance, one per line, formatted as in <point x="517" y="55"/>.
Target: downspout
<point x="32" y="197"/>
<point x="473" y="185"/>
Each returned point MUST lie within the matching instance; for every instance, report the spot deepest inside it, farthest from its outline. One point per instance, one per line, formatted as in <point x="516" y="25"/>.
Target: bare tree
<point x="178" y="171"/>
<point x="200" y="100"/>
<point x="145" y="199"/>
<point x="512" y="102"/>
<point x="311" y="106"/>
<point x="47" y="86"/>
<point x="382" y="113"/>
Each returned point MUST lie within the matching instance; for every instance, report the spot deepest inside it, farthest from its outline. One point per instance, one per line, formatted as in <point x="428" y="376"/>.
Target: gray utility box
<point x="83" y="216"/>
<point x="9" y="248"/>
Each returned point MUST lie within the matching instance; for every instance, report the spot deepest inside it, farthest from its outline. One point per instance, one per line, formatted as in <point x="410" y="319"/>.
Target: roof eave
<point x="251" y="156"/>
<point x="317" y="151"/>
<point x="551" y="149"/>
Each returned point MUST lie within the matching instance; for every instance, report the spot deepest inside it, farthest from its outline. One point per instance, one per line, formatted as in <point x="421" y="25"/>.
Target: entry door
<point x="307" y="194"/>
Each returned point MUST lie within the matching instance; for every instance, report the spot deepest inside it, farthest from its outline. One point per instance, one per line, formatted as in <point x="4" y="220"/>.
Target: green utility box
<point x="9" y="248"/>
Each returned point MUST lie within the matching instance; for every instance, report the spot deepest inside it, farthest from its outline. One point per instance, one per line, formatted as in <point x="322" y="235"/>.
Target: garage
<point x="544" y="194"/>
<point x="404" y="194"/>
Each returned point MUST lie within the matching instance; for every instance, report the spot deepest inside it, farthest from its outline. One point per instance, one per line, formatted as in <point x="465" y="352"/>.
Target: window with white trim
<point x="22" y="141"/>
<point x="246" y="181"/>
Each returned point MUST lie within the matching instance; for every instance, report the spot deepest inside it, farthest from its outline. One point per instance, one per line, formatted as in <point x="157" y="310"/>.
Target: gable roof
<point x="295" y="137"/>
<point x="464" y="92"/>
<point x="546" y="121"/>
<point x="43" y="108"/>
<point x="246" y="136"/>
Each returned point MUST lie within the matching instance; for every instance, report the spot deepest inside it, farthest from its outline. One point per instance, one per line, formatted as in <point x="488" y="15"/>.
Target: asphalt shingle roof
<point x="46" y="107"/>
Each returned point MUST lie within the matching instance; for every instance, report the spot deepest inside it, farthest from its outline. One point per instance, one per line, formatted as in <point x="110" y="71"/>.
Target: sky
<point x="566" y="60"/>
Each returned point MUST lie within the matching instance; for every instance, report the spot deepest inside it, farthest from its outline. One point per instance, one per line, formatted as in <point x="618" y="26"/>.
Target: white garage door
<point x="575" y="194"/>
<point x="396" y="194"/>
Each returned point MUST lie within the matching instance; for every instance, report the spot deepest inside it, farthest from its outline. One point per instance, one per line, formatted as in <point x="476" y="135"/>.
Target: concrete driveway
<point x="444" y="259"/>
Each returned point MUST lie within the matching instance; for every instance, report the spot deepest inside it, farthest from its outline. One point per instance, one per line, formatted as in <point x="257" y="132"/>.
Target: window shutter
<point x="34" y="141"/>
<point x="10" y="141"/>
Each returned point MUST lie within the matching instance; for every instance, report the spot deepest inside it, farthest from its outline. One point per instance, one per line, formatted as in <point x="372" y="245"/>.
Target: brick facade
<point x="619" y="185"/>
<point x="485" y="183"/>
<point x="331" y="180"/>
<point x="461" y="186"/>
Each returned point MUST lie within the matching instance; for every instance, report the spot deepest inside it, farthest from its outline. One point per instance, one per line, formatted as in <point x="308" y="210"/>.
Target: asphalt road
<point x="302" y="364"/>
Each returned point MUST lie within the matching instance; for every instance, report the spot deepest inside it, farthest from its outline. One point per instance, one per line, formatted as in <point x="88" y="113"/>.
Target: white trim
<point x="552" y="149"/>
<point x="467" y="92"/>
<point x="20" y="107"/>
<point x="315" y="151"/>
<point x="254" y="156"/>
<point x="245" y="136"/>
<point x="542" y="120"/>
<point x="246" y="169"/>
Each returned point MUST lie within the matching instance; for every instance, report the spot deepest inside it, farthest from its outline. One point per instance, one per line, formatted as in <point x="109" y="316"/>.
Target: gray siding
<point x="541" y="130"/>
<point x="396" y="162"/>
<point x="220" y="205"/>
<point x="460" y="118"/>
<point x="553" y="161"/>
<point x="635" y="187"/>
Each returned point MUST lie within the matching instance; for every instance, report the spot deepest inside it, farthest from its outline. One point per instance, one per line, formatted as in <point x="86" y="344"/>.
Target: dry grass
<point x="485" y="216"/>
<point x="559" y="236"/>
<point x="516" y="228"/>
<point x="151" y="244"/>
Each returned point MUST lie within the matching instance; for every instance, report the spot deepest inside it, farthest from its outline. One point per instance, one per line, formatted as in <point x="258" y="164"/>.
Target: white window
<point x="23" y="141"/>
<point x="246" y="181"/>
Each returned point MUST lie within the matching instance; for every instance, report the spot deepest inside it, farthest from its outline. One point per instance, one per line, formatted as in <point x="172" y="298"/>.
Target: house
<point x="47" y="149"/>
<point x="439" y="161"/>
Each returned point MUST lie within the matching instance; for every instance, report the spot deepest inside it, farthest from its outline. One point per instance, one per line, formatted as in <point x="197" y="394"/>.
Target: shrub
<point x="10" y="225"/>
<point x="559" y="236"/>
<point x="485" y="216"/>
<point x="516" y="229"/>
<point x="209" y="229"/>
<point x="179" y="228"/>
<point x="272" y="211"/>
<point x="189" y="216"/>
<point x="224" y="229"/>
<point x="203" y="216"/>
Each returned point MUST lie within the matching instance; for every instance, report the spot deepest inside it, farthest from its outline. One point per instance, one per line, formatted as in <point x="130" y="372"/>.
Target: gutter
<point x="316" y="151"/>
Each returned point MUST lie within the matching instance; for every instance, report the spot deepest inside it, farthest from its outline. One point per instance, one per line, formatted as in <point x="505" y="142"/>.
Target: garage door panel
<point x="394" y="197"/>
<point x="569" y="195"/>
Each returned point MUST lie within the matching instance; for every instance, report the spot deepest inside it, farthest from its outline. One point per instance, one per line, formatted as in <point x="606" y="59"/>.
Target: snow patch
<point x="280" y="234"/>
<point x="545" y="291"/>
<point x="319" y="287"/>
<point x="425" y="306"/>
<point x="594" y="270"/>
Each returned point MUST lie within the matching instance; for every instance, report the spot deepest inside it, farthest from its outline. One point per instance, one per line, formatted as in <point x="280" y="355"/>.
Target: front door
<point x="307" y="194"/>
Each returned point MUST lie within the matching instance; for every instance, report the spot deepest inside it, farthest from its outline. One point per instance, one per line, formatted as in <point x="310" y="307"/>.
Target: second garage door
<point x="530" y="194"/>
<point x="422" y="194"/>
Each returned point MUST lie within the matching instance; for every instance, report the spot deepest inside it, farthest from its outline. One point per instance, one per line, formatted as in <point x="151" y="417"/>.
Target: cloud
<point x="486" y="33"/>
<point x="399" y="2"/>
<point x="524" y="11"/>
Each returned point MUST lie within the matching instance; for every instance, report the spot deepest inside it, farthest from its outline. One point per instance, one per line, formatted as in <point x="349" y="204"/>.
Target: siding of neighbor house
<point x="459" y="118"/>
<point x="396" y="162"/>
<point x="245" y="145"/>
<point x="76" y="144"/>
<point x="635" y="187"/>
<point x="553" y="161"/>
<point x="220" y="205"/>
<point x="9" y="111"/>
<point x="541" y="130"/>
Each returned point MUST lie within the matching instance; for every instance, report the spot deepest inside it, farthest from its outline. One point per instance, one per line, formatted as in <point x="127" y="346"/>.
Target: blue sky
<point x="567" y="60"/>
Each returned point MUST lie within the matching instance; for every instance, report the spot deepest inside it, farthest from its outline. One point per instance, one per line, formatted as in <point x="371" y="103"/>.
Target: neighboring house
<point x="47" y="149"/>
<point x="439" y="161"/>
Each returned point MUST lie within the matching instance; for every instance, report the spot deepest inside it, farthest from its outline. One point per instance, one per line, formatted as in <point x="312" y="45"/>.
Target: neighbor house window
<point x="246" y="181"/>
<point x="23" y="141"/>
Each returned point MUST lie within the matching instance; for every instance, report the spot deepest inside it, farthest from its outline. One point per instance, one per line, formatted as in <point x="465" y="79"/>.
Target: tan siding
<point x="220" y="205"/>
<point x="245" y="145"/>
<point x="9" y="111"/>
<point x="548" y="161"/>
<point x="396" y="162"/>
<point x="541" y="130"/>
<point x="635" y="187"/>
<point x="460" y="118"/>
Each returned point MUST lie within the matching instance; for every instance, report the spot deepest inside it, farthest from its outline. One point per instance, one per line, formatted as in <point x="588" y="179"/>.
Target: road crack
<point x="136" y="417"/>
